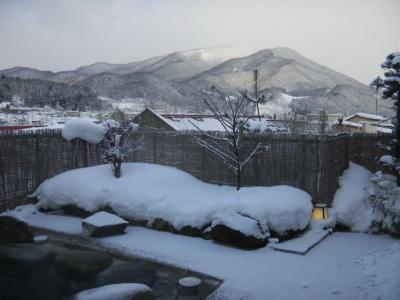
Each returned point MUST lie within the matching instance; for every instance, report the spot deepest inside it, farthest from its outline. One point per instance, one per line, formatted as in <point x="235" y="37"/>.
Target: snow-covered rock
<point x="231" y="228"/>
<point x="103" y="224"/>
<point x="121" y="291"/>
<point x="128" y="272"/>
<point x="387" y="160"/>
<point x="147" y="192"/>
<point x="350" y="205"/>
<point x="83" y="129"/>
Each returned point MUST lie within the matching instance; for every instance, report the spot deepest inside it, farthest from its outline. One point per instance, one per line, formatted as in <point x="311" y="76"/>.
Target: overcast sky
<point x="350" y="36"/>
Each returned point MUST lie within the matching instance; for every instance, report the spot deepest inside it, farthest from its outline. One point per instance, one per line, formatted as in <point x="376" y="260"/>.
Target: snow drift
<point x="350" y="204"/>
<point x="148" y="192"/>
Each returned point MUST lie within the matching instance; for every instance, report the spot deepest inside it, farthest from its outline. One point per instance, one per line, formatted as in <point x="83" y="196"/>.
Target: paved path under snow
<point x="305" y="242"/>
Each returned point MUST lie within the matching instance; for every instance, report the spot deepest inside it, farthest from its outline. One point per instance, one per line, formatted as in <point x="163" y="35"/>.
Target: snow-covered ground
<point x="148" y="192"/>
<point x="343" y="266"/>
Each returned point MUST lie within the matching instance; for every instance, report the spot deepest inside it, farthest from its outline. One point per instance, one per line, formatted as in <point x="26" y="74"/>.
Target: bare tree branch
<point x="233" y="114"/>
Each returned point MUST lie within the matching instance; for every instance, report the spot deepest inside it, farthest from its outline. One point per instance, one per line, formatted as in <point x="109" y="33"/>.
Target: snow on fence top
<point x="83" y="129"/>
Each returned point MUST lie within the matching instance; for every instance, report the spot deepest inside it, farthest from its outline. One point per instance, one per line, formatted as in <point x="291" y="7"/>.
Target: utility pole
<point x="255" y="72"/>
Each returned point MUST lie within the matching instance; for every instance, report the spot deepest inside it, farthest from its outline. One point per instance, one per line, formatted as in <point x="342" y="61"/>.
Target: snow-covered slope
<point x="278" y="67"/>
<point x="188" y="63"/>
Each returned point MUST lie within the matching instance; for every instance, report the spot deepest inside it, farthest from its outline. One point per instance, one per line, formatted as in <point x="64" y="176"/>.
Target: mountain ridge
<point x="181" y="78"/>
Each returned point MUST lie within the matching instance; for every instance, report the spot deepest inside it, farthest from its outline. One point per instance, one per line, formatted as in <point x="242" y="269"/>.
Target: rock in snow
<point x="237" y="230"/>
<point x="122" y="291"/>
<point x="81" y="264"/>
<point x="13" y="230"/>
<point x="148" y="191"/>
<point x="103" y="224"/>
<point x="83" y="129"/>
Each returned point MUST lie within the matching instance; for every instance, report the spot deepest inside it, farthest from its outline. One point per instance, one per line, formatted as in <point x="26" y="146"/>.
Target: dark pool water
<point x="51" y="271"/>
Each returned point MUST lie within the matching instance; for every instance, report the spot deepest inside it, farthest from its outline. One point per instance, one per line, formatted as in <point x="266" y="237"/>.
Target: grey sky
<point x="350" y="36"/>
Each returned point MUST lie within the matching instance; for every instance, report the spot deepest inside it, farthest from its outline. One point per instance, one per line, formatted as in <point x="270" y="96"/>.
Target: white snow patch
<point x="103" y="218"/>
<point x="386" y="160"/>
<point x="263" y="126"/>
<point x="349" y="205"/>
<point x="83" y="129"/>
<point x="280" y="105"/>
<point x="147" y="191"/>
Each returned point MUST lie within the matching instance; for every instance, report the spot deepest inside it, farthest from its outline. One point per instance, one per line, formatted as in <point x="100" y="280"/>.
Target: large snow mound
<point x="83" y="129"/>
<point x="350" y="205"/>
<point x="147" y="192"/>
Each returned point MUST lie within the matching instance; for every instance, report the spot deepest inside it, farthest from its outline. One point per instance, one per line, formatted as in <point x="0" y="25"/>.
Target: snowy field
<point x="343" y="266"/>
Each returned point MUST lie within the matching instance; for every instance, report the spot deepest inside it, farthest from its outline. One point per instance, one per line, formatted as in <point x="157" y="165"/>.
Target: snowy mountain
<point x="279" y="67"/>
<point x="26" y="73"/>
<point x="185" y="64"/>
<point x="101" y="67"/>
<point x="181" y="79"/>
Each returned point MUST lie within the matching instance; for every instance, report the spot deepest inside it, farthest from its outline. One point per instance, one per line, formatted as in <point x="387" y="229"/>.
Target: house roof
<point x="365" y="116"/>
<point x="351" y="124"/>
<point x="192" y="122"/>
<point x="4" y="104"/>
<point x="188" y="122"/>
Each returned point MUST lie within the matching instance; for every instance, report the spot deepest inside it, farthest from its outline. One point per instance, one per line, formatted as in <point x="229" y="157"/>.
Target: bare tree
<point x="116" y="145"/>
<point x="230" y="146"/>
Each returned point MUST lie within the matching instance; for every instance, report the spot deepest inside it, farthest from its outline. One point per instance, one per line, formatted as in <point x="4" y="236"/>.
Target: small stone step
<point x="103" y="224"/>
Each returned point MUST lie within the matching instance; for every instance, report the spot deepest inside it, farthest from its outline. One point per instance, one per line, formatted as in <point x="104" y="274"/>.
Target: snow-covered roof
<point x="352" y="124"/>
<point x="384" y="130"/>
<point x="192" y="122"/>
<point x="186" y="122"/>
<point x="4" y="105"/>
<point x="366" y="116"/>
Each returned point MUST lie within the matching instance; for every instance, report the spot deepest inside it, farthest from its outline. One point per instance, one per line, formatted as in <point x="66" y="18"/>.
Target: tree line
<point x="37" y="92"/>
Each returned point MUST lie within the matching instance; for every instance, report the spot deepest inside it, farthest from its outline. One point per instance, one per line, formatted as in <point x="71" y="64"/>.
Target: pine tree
<point x="377" y="83"/>
<point x="391" y="90"/>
